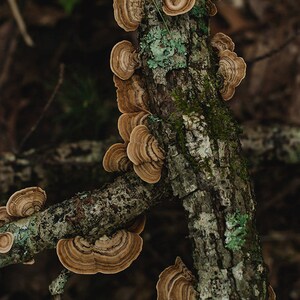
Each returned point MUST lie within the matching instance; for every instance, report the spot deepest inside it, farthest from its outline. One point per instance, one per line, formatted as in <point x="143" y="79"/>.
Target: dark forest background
<point x="80" y="35"/>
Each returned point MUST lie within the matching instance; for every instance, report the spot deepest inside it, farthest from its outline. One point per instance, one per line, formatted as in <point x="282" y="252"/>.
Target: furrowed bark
<point x="88" y="214"/>
<point x="203" y="154"/>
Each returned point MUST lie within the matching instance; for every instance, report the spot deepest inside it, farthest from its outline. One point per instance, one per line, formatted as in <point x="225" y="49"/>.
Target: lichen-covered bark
<point x="88" y="214"/>
<point x="203" y="154"/>
<point x="53" y="168"/>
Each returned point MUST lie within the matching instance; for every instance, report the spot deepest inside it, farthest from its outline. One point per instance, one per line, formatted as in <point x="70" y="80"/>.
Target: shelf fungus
<point x="211" y="8"/>
<point x="176" y="283"/>
<point x="222" y="42"/>
<point x="128" y="13"/>
<point x="143" y="150"/>
<point x="6" y="241"/>
<point x="131" y="96"/>
<point x="177" y="7"/>
<point x="115" y="159"/>
<point x="137" y="225"/>
<point x="109" y="255"/>
<point x="128" y="121"/>
<point x="4" y="216"/>
<point x="233" y="70"/>
<point x="26" y="202"/>
<point x="272" y="295"/>
<point x="124" y="60"/>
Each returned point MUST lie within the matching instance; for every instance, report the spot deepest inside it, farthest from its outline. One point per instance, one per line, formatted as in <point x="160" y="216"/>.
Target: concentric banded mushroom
<point x="131" y="96"/>
<point x="26" y="202"/>
<point x="233" y="70"/>
<point x="4" y="216"/>
<point x="128" y="13"/>
<point x="124" y="60"/>
<point x="107" y="255"/>
<point x="128" y="121"/>
<point x="150" y="171"/>
<point x="176" y="283"/>
<point x="137" y="225"/>
<point x="6" y="241"/>
<point x="177" y="7"/>
<point x="115" y="159"/>
<point x="211" y="8"/>
<point x="143" y="147"/>
<point x="222" y="42"/>
<point x="272" y="295"/>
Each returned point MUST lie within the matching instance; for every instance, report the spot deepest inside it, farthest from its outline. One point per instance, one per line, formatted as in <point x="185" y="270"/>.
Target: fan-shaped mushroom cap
<point x="222" y="42"/>
<point x="176" y="283"/>
<point x="211" y="7"/>
<point x="137" y="225"/>
<point x="272" y="295"/>
<point x="124" y="60"/>
<point x="6" y="241"/>
<point x="177" y="7"/>
<point x="26" y="202"/>
<point x="115" y="159"/>
<point x="131" y="96"/>
<point x="143" y="147"/>
<point x="128" y="121"/>
<point x="233" y="70"/>
<point x="128" y="13"/>
<point x="29" y="262"/>
<point x="107" y="255"/>
<point x="4" y="216"/>
<point x="150" y="172"/>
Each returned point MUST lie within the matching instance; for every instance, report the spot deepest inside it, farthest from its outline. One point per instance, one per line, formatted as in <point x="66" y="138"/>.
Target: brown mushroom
<point x="128" y="13"/>
<point x="107" y="255"/>
<point x="29" y="262"/>
<point x="128" y="121"/>
<point x="272" y="295"/>
<point x="233" y="70"/>
<point x="124" y="60"/>
<point x="4" y="216"/>
<point x="137" y="225"/>
<point x="211" y="8"/>
<point x="222" y="42"/>
<point x="116" y="253"/>
<point x="6" y="241"/>
<point x="143" y="147"/>
<point x="115" y="159"/>
<point x="176" y="283"/>
<point x="25" y="202"/>
<point x="177" y="7"/>
<point x="150" y="172"/>
<point x="131" y="96"/>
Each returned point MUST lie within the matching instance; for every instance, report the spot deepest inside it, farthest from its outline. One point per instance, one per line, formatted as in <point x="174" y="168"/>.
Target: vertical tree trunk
<point x="203" y="153"/>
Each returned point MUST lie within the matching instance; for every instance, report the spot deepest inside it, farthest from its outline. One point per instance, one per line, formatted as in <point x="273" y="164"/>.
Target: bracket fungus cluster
<point x="231" y="67"/>
<point x="140" y="148"/>
<point x="176" y="283"/>
<point x="22" y="203"/>
<point x="211" y="8"/>
<point x="128" y="13"/>
<point x="107" y="255"/>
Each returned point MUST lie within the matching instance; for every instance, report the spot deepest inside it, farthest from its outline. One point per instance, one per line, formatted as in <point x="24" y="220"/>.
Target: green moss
<point x="200" y="13"/>
<point x="240" y="167"/>
<point x="236" y="230"/>
<point x="165" y="49"/>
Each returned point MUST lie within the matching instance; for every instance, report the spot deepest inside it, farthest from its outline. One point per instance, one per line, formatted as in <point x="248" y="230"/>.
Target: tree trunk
<point x="203" y="153"/>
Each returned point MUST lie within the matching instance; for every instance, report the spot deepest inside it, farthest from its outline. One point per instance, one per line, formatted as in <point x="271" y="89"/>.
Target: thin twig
<point x="274" y="51"/>
<point x="20" y="22"/>
<point x="56" y="89"/>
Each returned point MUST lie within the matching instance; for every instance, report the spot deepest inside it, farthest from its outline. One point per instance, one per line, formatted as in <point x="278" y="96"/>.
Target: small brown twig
<point x="46" y="107"/>
<point x="20" y="22"/>
<point x="274" y="51"/>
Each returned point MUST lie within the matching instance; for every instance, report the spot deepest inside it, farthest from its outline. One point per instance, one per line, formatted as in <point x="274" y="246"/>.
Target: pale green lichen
<point x="236" y="231"/>
<point x="165" y="50"/>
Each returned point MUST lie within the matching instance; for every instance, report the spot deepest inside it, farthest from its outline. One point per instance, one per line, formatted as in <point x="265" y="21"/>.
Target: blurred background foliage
<point x="80" y="35"/>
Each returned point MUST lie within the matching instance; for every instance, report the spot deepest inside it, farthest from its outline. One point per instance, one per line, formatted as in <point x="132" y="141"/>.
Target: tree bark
<point x="88" y="214"/>
<point x="203" y="154"/>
